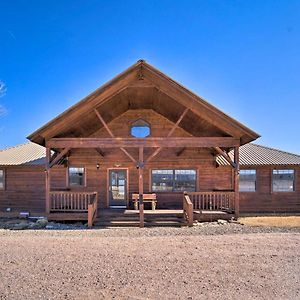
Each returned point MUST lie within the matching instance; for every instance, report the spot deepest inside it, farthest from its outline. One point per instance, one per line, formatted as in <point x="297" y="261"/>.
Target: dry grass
<point x="282" y="221"/>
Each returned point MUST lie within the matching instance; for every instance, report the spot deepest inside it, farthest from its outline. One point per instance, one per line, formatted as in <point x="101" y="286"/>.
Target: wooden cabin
<point x="144" y="141"/>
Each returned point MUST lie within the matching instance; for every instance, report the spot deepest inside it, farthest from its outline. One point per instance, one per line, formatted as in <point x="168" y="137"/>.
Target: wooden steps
<point x="130" y="218"/>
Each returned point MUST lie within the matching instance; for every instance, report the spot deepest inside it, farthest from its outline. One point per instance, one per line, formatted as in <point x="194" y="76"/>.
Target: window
<point x="140" y="129"/>
<point x="2" y="180"/>
<point x="162" y="180"/>
<point x="173" y="180"/>
<point x="76" y="176"/>
<point x="247" y="181"/>
<point x="283" y="180"/>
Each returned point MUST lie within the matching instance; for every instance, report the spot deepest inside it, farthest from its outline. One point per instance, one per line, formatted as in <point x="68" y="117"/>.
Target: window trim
<point x="272" y="179"/>
<point x="173" y="169"/>
<point x="68" y="177"/>
<point x="4" y="180"/>
<point x="255" y="190"/>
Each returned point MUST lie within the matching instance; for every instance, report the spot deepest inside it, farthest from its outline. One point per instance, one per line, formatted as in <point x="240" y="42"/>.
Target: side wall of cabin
<point x="24" y="189"/>
<point x="264" y="199"/>
<point x="25" y="185"/>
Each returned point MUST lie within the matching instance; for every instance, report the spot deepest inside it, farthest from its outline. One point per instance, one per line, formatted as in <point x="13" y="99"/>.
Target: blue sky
<point x="242" y="56"/>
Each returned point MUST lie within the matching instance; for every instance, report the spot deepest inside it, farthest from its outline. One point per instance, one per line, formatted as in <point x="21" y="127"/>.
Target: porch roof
<point x="250" y="155"/>
<point x="143" y="87"/>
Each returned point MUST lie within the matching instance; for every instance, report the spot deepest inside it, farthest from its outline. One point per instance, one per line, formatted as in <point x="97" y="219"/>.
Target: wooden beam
<point x="47" y="180"/>
<point x="112" y="135"/>
<point x="180" y="151"/>
<point x="103" y="123"/>
<point x="59" y="157"/>
<point x="141" y="185"/>
<point x="100" y="152"/>
<point x="129" y="155"/>
<point x="151" y="142"/>
<point x="178" y="122"/>
<point x="236" y="183"/>
<point x="156" y="152"/>
<point x="226" y="156"/>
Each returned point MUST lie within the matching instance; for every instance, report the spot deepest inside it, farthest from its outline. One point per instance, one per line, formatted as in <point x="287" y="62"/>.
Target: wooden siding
<point x="25" y="185"/>
<point x="264" y="200"/>
<point x="24" y="189"/>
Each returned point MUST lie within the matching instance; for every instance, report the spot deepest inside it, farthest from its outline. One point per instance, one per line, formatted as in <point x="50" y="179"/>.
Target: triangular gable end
<point x="143" y="75"/>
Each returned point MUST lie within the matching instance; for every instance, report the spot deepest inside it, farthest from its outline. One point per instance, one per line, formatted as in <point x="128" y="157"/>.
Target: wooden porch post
<point x="48" y="180"/>
<point x="141" y="185"/>
<point x="236" y="183"/>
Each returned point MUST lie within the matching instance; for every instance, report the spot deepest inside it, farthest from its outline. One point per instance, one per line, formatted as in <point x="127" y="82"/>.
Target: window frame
<point x="173" y="180"/>
<point x="84" y="177"/>
<point x="272" y="180"/>
<point x="4" y="179"/>
<point x="255" y="183"/>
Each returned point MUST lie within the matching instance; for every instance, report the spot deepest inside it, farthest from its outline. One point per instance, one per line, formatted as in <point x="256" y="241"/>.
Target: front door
<point x="117" y="188"/>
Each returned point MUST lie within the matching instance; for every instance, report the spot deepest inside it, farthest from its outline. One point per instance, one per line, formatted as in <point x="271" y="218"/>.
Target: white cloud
<point x="3" y="88"/>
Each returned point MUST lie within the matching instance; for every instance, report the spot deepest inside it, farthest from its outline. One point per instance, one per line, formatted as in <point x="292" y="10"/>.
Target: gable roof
<point x="153" y="80"/>
<point x="257" y="155"/>
<point x="250" y="155"/>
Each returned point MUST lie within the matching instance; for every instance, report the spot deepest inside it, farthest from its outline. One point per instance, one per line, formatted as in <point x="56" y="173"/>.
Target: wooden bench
<point x="146" y="198"/>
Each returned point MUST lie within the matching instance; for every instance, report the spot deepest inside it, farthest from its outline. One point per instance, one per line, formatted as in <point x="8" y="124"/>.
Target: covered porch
<point x="198" y="205"/>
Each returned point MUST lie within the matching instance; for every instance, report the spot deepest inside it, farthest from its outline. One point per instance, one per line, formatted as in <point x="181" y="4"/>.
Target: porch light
<point x="98" y="166"/>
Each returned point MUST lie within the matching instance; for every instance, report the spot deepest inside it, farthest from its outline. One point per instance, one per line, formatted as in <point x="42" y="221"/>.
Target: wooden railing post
<point x="141" y="185"/>
<point x="188" y="210"/>
<point x="47" y="180"/>
<point x="236" y="183"/>
<point x="92" y="209"/>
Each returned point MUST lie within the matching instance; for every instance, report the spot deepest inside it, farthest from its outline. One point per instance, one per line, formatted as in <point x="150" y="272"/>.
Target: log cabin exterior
<point x="143" y="133"/>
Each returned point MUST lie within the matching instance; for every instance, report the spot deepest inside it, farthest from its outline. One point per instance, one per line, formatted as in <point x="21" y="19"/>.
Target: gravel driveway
<point x="158" y="263"/>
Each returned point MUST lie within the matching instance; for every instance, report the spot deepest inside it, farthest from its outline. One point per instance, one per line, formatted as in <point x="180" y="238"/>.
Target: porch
<point x="204" y="205"/>
<point x="83" y="206"/>
<point x="73" y="206"/>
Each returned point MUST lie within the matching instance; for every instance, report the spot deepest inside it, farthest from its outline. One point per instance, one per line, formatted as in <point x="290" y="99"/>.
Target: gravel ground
<point x="207" y="261"/>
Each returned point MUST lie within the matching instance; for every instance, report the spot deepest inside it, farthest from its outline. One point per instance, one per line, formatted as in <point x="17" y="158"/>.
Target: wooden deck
<point x="130" y="218"/>
<point x="200" y="206"/>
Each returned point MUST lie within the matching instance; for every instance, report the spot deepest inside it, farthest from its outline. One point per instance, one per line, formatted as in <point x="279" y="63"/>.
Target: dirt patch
<point x="158" y="263"/>
<point x="280" y="221"/>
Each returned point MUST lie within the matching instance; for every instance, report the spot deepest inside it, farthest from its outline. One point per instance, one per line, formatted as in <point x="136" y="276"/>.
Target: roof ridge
<point x="15" y="146"/>
<point x="275" y="149"/>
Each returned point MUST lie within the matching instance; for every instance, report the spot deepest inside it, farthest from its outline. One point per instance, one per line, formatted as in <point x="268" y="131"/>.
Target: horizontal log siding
<point x="264" y="200"/>
<point x="25" y="189"/>
<point x="25" y="185"/>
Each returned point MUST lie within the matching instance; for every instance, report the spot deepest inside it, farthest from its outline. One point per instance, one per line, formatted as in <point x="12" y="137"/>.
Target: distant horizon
<point x="243" y="58"/>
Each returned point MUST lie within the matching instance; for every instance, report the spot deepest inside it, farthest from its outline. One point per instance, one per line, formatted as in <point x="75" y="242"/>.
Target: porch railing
<point x="65" y="201"/>
<point x="223" y="201"/>
<point x="75" y="202"/>
<point x="188" y="211"/>
<point x="92" y="210"/>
